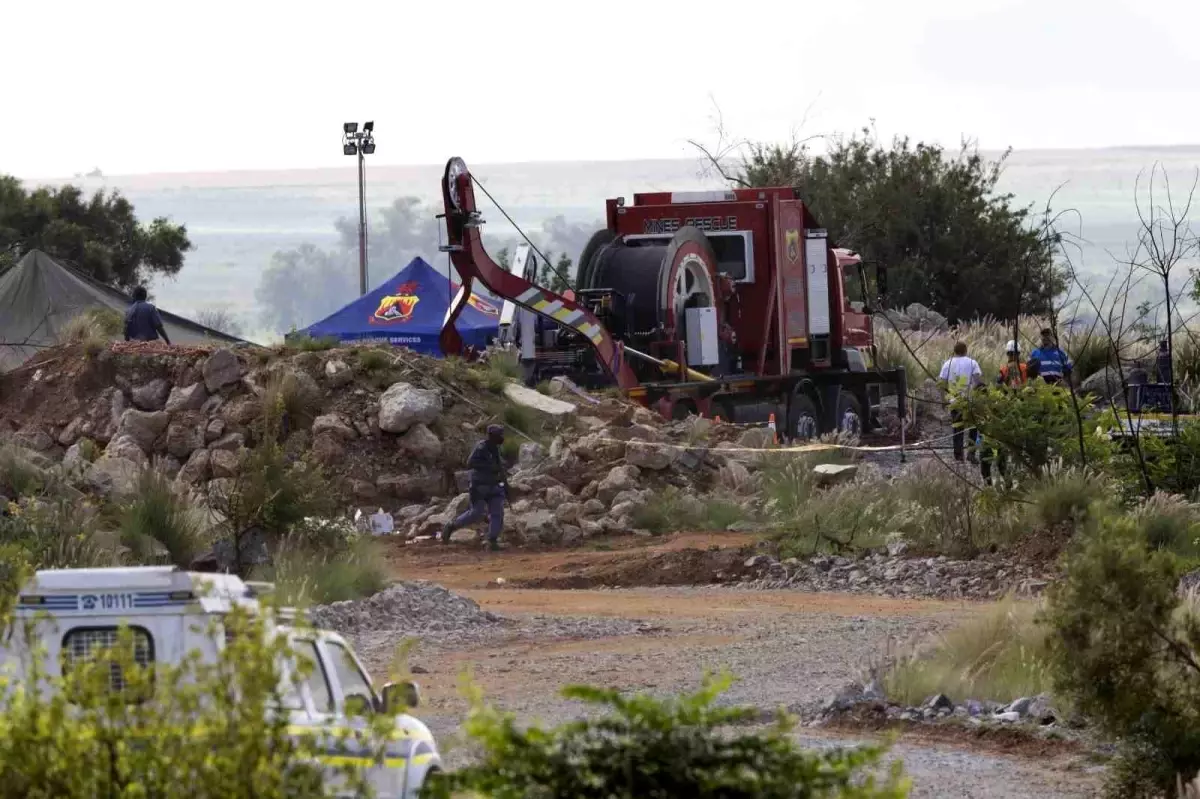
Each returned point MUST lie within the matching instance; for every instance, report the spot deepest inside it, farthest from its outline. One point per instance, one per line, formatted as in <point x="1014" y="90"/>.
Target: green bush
<point x="373" y="359"/>
<point x="19" y="477"/>
<point x="654" y="749"/>
<point x="54" y="533"/>
<point x="156" y="517"/>
<point x="1125" y="650"/>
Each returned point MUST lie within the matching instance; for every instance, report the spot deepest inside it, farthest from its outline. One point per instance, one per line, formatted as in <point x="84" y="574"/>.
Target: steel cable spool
<point x="658" y="279"/>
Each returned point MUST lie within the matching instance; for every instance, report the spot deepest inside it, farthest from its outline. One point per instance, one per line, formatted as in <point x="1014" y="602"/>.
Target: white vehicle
<point x="79" y="611"/>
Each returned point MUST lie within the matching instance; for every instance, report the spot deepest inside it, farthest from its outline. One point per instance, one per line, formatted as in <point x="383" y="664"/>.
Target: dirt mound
<point x="683" y="567"/>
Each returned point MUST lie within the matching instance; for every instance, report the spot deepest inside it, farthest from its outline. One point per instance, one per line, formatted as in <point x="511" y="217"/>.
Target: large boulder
<point x="530" y="454"/>
<point x="144" y="427"/>
<point x="328" y="449"/>
<point x="618" y="479"/>
<point x="230" y="441"/>
<point x="539" y="525"/>
<point x="35" y="438"/>
<point x="151" y="396"/>
<point x="404" y="405"/>
<point x="221" y="369"/>
<point x="337" y="373"/>
<point x="185" y="434"/>
<point x="829" y="474"/>
<point x="110" y="476"/>
<point x="421" y="443"/>
<point x="537" y="401"/>
<point x="224" y="463"/>
<point x="71" y="433"/>
<point x="647" y="455"/>
<point x="125" y="447"/>
<point x="186" y="398"/>
<point x="334" y="425"/>
<point x="416" y="487"/>
<point x="196" y="470"/>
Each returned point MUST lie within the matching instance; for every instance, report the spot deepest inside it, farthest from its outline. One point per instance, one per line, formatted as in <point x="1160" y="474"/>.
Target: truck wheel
<point x="849" y="414"/>
<point x="803" y="422"/>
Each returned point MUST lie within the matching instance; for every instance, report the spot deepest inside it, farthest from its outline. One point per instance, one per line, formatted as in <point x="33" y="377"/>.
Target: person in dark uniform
<point x="142" y="320"/>
<point x="489" y="487"/>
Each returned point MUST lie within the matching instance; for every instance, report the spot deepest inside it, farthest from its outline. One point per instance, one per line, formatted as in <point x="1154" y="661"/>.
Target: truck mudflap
<point x="472" y="262"/>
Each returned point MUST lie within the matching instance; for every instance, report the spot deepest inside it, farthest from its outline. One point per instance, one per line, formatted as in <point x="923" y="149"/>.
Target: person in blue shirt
<point x="1054" y="365"/>
<point x="142" y="320"/>
<point x="488" y="489"/>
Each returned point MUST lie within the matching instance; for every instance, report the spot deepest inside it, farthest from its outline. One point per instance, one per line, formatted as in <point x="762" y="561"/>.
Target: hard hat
<point x="1011" y="347"/>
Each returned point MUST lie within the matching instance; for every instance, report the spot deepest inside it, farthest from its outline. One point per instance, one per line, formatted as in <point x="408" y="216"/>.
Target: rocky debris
<point x="221" y="369"/>
<point x="186" y="398"/>
<point x="223" y="462"/>
<point x="152" y="396"/>
<point x="113" y="476"/>
<point x="335" y="425"/>
<point x="125" y="447"/>
<point x="647" y="455"/>
<point x="888" y="575"/>
<point x="196" y="469"/>
<point x="337" y="373"/>
<point x="439" y="617"/>
<point x="915" y="317"/>
<point x="858" y="697"/>
<point x="71" y="433"/>
<point x="35" y="438"/>
<point x="185" y="434"/>
<point x="229" y="441"/>
<point x="530" y="454"/>
<point x="421" y="443"/>
<point x="404" y="405"/>
<point x="537" y="401"/>
<point x="144" y="427"/>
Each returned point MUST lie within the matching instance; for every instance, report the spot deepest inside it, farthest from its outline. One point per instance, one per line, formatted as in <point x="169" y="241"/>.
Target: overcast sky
<point x="137" y="87"/>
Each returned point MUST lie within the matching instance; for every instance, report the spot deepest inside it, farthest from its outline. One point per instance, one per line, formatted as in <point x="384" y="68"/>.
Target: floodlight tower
<point x="360" y="143"/>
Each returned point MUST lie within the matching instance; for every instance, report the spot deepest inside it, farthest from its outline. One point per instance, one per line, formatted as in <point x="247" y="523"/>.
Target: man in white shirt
<point x="959" y="375"/>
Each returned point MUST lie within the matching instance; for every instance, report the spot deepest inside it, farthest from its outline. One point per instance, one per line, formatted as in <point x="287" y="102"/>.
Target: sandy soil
<point x="785" y="648"/>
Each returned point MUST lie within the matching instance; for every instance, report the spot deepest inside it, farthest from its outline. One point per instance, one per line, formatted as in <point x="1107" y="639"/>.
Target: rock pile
<point x="394" y="437"/>
<point x="415" y="608"/>
<point x="857" y="699"/>
<point x="897" y="575"/>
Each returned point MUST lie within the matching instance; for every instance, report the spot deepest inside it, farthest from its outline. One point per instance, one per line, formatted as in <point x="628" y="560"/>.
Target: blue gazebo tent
<point x="407" y="311"/>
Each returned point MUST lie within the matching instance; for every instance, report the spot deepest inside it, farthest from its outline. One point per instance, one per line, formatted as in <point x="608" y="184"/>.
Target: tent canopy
<point x="38" y="296"/>
<point x="408" y="311"/>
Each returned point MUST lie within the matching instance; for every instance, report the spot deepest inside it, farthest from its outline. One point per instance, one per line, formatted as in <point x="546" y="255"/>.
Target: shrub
<point x="158" y="517"/>
<point x="674" y="510"/>
<point x="289" y="395"/>
<point x="1169" y="521"/>
<point x="373" y="359"/>
<point x="19" y="477"/>
<point x="55" y="533"/>
<point x="1032" y="425"/>
<point x="1069" y="496"/>
<point x="306" y="575"/>
<point x="1000" y="654"/>
<point x="652" y="748"/>
<point x="519" y="417"/>
<point x="307" y="343"/>
<point x="101" y="324"/>
<point x="1125" y="650"/>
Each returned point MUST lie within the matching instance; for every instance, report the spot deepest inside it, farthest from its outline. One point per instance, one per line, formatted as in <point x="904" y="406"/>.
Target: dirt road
<point x="786" y="649"/>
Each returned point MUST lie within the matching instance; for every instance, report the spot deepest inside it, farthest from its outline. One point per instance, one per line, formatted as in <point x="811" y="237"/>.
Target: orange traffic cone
<point x="771" y="427"/>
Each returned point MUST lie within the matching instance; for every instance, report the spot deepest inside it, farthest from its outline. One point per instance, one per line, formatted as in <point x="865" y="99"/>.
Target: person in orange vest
<point x="1013" y="374"/>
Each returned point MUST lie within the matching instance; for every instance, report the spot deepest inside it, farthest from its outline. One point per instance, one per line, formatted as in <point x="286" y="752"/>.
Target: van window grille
<point x="87" y="644"/>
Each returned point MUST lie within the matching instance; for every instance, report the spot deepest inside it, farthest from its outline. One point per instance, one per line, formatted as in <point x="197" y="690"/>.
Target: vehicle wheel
<point x="803" y="422"/>
<point x="849" y="414"/>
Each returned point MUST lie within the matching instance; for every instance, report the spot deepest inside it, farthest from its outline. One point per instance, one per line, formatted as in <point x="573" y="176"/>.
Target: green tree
<point x="558" y="278"/>
<point x="932" y="218"/>
<point x="99" y="235"/>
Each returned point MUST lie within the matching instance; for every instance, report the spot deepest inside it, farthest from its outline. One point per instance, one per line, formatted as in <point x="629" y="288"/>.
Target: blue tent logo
<point x="397" y="307"/>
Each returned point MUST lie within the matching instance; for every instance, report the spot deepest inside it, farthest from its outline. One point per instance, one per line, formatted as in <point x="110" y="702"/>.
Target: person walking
<point x="1013" y="375"/>
<point x="488" y="489"/>
<point x="142" y="320"/>
<point x="1054" y="365"/>
<point x="960" y="373"/>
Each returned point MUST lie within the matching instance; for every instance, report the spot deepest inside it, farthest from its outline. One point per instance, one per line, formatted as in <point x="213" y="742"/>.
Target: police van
<point x="75" y="613"/>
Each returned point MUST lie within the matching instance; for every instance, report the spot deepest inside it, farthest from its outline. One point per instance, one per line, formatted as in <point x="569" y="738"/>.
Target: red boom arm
<point x="472" y="261"/>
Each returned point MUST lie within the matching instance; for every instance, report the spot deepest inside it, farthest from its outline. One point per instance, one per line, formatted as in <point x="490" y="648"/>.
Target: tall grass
<point x="19" y="477"/>
<point x="157" y="520"/>
<point x="305" y="576"/>
<point x="999" y="655"/>
<point x="673" y="511"/>
<point x="307" y="343"/>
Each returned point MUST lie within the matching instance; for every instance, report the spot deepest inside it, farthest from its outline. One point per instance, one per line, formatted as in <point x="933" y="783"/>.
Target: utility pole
<point x="360" y="143"/>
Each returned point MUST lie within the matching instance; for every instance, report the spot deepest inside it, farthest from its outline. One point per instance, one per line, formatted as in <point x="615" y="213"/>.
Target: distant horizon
<point x="244" y="172"/>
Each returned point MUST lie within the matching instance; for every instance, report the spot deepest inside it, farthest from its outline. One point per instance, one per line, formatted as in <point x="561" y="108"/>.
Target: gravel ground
<point x="784" y="647"/>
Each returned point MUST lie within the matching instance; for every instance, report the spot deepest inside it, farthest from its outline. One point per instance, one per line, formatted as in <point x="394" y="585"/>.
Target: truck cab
<point x="76" y="613"/>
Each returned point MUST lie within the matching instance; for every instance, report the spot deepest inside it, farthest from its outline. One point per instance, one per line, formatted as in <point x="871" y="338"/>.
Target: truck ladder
<point x="472" y="261"/>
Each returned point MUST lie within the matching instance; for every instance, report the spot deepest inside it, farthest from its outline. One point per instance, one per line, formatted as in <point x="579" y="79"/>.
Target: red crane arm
<point x="472" y="261"/>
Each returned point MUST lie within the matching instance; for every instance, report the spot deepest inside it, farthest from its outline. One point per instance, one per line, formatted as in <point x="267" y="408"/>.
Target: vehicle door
<point x="308" y="697"/>
<point x="356" y="703"/>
